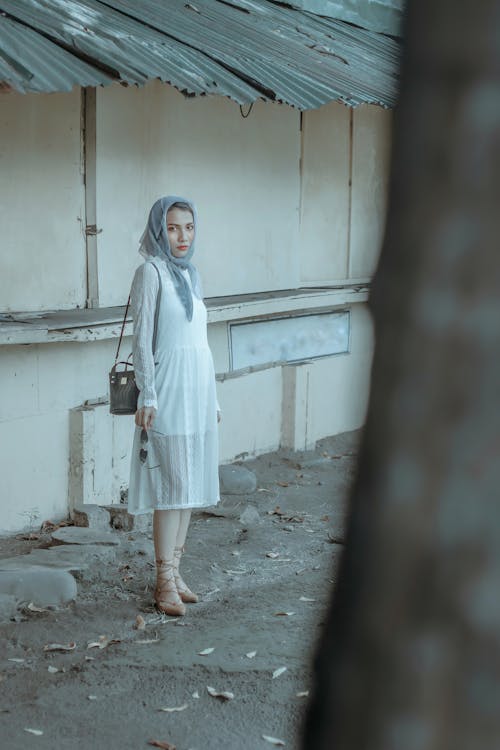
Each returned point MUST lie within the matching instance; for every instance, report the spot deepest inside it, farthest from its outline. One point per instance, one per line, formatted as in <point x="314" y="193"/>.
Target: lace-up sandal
<point x="166" y="596"/>
<point x="184" y="592"/>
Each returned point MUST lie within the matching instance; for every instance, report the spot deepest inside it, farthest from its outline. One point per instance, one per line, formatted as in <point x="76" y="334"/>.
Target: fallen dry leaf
<point x="335" y="539"/>
<point x="283" y="484"/>
<point x="174" y="708"/>
<point x="272" y="555"/>
<point x="33" y="608"/>
<point x="92" y="697"/>
<point x="283" y="614"/>
<point x="224" y="695"/>
<point x="302" y="694"/>
<point x="60" y="646"/>
<point x="163" y="745"/>
<point x="16" y="661"/>
<point x="196" y="694"/>
<point x="38" y="732"/>
<point x="140" y="623"/>
<point x="251" y="654"/>
<point x="324" y="518"/>
<point x="103" y="642"/>
<point x="51" y="526"/>
<point x="273" y="740"/>
<point x="206" y="651"/>
<point x="306" y="599"/>
<point x="278" y="671"/>
<point x="48" y="526"/>
<point x="52" y="669"/>
<point x="276" y="512"/>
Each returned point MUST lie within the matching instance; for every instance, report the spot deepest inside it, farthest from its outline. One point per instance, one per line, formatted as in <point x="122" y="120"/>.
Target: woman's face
<point x="180" y="231"/>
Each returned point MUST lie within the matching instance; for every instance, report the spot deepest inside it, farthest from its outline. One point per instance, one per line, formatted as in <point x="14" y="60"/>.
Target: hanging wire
<point x="249" y="110"/>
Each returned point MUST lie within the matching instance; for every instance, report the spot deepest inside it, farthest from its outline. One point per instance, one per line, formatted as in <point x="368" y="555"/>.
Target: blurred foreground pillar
<point x="410" y="657"/>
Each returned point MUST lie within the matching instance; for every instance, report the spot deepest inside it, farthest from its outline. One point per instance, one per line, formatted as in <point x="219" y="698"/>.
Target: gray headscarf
<point x="155" y="244"/>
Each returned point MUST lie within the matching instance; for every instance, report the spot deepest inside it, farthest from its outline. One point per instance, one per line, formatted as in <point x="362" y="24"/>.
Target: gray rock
<point x="8" y="607"/>
<point x="237" y="480"/>
<point x="121" y="519"/>
<point x="91" y="516"/>
<point x="77" y="535"/>
<point x="250" y="516"/>
<point x="42" y="586"/>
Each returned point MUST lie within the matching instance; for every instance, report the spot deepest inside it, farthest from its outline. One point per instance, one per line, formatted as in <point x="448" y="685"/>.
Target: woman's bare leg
<point x="184" y="592"/>
<point x="166" y="525"/>
<point x="183" y="527"/>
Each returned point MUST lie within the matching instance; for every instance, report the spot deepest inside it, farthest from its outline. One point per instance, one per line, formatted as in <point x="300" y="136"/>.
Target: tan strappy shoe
<point x="166" y="596"/>
<point x="185" y="593"/>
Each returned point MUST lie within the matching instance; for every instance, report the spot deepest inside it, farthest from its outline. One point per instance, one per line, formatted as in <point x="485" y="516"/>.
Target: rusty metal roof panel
<point x="243" y="49"/>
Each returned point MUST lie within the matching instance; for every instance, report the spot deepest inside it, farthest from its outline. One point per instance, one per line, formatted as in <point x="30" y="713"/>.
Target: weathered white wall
<point x="243" y="175"/>
<point x="338" y="386"/>
<point x="345" y="172"/>
<point x="40" y="384"/>
<point x="251" y="414"/>
<point x="324" y="227"/>
<point x="370" y="176"/>
<point x="41" y="203"/>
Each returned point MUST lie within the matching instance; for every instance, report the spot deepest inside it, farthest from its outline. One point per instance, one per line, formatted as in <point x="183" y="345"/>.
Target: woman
<point x="175" y="452"/>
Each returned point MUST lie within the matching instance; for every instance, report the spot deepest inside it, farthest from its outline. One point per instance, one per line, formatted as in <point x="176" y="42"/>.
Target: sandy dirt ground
<point x="264" y="585"/>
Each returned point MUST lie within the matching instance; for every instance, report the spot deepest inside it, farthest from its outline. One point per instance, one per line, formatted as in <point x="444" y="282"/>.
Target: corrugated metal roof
<point x="384" y="16"/>
<point x="243" y="49"/>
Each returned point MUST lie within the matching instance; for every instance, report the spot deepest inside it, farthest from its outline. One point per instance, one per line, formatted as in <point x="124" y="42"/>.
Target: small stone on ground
<point x="237" y="480"/>
<point x="42" y="586"/>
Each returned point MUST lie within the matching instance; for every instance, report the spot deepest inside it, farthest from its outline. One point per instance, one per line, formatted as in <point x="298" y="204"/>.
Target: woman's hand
<point x="144" y="417"/>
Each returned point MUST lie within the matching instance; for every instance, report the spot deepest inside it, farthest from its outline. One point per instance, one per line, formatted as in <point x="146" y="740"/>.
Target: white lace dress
<point x="181" y="468"/>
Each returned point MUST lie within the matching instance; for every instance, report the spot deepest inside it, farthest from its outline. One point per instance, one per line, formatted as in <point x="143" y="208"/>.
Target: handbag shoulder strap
<point x="157" y="312"/>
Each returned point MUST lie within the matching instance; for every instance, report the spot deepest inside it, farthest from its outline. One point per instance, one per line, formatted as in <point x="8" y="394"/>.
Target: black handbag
<point x="123" y="390"/>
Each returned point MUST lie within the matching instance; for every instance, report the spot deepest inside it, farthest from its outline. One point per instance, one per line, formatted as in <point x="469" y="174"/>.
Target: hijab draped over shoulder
<point x="154" y="244"/>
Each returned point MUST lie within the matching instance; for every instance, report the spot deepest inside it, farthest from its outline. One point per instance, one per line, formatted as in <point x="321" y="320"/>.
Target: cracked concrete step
<point x="82" y="535"/>
<point x="72" y="557"/>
